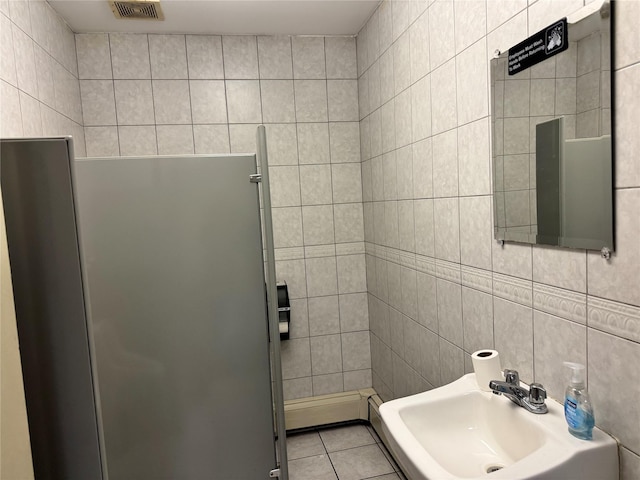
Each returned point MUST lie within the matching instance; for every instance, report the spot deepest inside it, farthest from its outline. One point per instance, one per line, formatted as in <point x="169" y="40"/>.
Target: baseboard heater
<point x="356" y="405"/>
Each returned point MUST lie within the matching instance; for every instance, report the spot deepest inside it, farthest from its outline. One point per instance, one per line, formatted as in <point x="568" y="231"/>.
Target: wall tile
<point x="349" y="226"/>
<point x="318" y="225"/>
<point x="617" y="414"/>
<point x="134" y="102"/>
<point x="240" y="56"/>
<point x="421" y="109"/>
<point x="208" y="101"/>
<point x="499" y="11"/>
<point x="171" y="102"/>
<point x="447" y="229"/>
<point x="287" y="227"/>
<point x="470" y="22"/>
<point x="629" y="464"/>
<point x="385" y="22"/>
<point x="308" y="57"/>
<point x="351" y="274"/>
<point x="344" y="142"/>
<point x="274" y="54"/>
<point x="324" y="315"/>
<point x="513" y="333"/>
<point x="451" y="362"/>
<point x="443" y="98"/>
<point x="387" y="86"/>
<point x="474" y="163"/>
<point x="326" y="354"/>
<point x="311" y="100"/>
<point x="243" y="101"/>
<point x="313" y="143"/>
<point x="346" y="183"/>
<point x="10" y="114"/>
<point x="406" y="226"/>
<point x="441" y="24"/>
<point x="402" y="118"/>
<point x="175" y="139"/>
<point x="98" y="102"/>
<point x="282" y="144"/>
<point x="477" y="319"/>
<point x="556" y="341"/>
<point x="31" y="117"/>
<point x="627" y="36"/>
<point x="297" y="388"/>
<point x="388" y="126"/>
<point x="354" y="314"/>
<point x="7" y="56"/>
<point x="277" y="101"/>
<point x="627" y="168"/>
<point x="136" y="141"/>
<point x="357" y="380"/>
<point x="343" y="100"/>
<point x="24" y="61"/>
<point x="355" y="351"/>
<point x="404" y="172"/>
<point x="512" y="259"/>
<point x="326" y="384"/>
<point x="423" y="169"/>
<point x="293" y="272"/>
<point x="211" y="138"/>
<point x="168" y="55"/>
<point x="242" y="138"/>
<point x="401" y="63"/>
<point x="419" y="47"/>
<point x="476" y="231"/>
<point x="471" y="83"/>
<point x="285" y="183"/>
<point x="296" y="358"/>
<point x="445" y="164"/>
<point x="315" y="181"/>
<point x="322" y="277"/>
<point x="204" y="57"/>
<point x="94" y="56"/>
<point x="450" y="312"/>
<point x="560" y="267"/>
<point x="44" y="74"/>
<point x="619" y="277"/>
<point x="101" y="141"/>
<point x="424" y="227"/>
<point x="19" y="14"/>
<point x="299" y="324"/>
<point x="341" y="57"/>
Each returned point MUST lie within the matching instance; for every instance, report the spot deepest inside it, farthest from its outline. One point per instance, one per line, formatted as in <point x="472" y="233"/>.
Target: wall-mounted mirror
<point x="552" y="146"/>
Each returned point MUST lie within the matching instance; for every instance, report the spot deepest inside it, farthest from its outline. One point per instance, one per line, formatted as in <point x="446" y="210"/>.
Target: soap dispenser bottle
<point x="578" y="410"/>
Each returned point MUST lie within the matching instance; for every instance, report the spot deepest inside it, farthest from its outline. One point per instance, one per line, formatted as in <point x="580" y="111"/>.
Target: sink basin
<point x="460" y="432"/>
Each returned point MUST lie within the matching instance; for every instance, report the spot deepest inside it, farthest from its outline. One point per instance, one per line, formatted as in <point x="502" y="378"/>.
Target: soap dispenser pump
<point x="578" y="410"/>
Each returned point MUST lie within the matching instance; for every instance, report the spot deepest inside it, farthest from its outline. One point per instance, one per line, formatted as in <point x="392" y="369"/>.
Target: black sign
<point x="538" y="47"/>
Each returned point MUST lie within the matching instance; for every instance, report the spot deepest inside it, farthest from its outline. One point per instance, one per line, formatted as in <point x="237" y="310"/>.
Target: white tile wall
<point x="39" y="89"/>
<point x="537" y="305"/>
<point x="177" y="94"/>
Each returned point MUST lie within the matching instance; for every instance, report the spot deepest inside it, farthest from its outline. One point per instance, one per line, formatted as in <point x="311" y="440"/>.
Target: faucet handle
<point x="537" y="394"/>
<point x="512" y="377"/>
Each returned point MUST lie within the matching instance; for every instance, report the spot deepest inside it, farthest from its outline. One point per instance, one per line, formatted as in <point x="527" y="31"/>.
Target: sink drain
<point x="494" y="468"/>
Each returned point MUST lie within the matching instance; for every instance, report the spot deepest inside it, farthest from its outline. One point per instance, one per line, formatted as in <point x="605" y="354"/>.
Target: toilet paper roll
<point x="283" y="327"/>
<point x="486" y="365"/>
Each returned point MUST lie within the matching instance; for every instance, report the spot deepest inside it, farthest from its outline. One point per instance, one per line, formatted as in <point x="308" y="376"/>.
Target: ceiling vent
<point x="139" y="9"/>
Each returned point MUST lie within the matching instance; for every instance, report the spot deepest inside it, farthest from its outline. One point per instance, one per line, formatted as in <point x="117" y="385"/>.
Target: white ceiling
<point x="255" y="17"/>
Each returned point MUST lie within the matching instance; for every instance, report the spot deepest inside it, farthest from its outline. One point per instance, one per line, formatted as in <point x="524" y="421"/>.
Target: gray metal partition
<point x="50" y="310"/>
<point x="172" y="254"/>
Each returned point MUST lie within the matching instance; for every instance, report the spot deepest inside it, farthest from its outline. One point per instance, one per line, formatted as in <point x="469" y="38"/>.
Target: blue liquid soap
<point x="578" y="410"/>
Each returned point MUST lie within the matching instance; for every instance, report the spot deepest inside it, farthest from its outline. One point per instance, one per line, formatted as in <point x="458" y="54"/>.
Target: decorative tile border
<point x="426" y="265"/>
<point x="350" y="248"/>
<point x="448" y="271"/>
<point x="476" y="278"/>
<point x="407" y="259"/>
<point x="560" y="302"/>
<point x="317" y="251"/>
<point x="615" y="318"/>
<point x="514" y="289"/>
<point x="294" y="253"/>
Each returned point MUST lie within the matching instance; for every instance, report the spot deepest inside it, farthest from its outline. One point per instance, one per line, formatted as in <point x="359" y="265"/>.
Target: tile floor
<point x="351" y="452"/>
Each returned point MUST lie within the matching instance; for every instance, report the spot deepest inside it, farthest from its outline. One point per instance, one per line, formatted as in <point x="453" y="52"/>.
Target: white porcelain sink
<point x="460" y="432"/>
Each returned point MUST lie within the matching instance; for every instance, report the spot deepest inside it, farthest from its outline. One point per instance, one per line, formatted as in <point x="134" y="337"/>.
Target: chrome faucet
<point x="531" y="400"/>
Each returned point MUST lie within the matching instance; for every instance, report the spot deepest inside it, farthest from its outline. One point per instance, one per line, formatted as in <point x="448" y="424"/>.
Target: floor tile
<point x="389" y="476"/>
<point x="317" y="467"/>
<point x="360" y="463"/>
<point x="300" y="445"/>
<point x="350" y="436"/>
